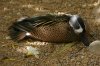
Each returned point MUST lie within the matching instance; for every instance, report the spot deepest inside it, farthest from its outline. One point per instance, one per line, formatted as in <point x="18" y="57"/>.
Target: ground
<point x="52" y="54"/>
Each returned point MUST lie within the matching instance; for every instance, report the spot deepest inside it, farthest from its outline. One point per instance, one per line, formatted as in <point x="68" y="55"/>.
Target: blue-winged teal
<point x="50" y="28"/>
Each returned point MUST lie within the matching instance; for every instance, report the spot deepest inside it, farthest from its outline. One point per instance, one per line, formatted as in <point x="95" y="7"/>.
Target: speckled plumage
<point x="48" y="28"/>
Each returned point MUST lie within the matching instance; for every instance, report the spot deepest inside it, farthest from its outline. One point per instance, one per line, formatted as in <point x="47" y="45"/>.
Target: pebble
<point x="95" y="47"/>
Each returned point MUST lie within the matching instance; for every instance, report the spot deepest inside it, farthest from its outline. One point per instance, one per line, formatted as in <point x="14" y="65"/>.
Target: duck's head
<point x="78" y="26"/>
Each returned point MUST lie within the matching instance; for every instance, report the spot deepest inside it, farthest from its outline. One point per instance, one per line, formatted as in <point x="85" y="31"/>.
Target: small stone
<point x="32" y="51"/>
<point x="95" y="47"/>
<point x="28" y="6"/>
<point x="5" y="9"/>
<point x="29" y="50"/>
<point x="8" y="37"/>
<point x="36" y="43"/>
<point x="41" y="9"/>
<point x="82" y="57"/>
<point x="22" y="18"/>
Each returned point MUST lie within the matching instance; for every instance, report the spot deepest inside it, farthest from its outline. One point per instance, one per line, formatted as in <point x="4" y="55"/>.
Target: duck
<point x="50" y="28"/>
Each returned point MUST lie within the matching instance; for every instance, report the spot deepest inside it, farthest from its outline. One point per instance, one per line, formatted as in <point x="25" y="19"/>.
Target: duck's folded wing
<point x="28" y="25"/>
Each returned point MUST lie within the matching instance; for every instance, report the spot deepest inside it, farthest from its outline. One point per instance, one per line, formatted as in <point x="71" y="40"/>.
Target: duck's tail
<point x="16" y="32"/>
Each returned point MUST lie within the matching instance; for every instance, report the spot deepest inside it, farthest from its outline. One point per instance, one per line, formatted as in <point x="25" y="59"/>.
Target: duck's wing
<point x="42" y="20"/>
<point x="31" y="23"/>
<point x="47" y="20"/>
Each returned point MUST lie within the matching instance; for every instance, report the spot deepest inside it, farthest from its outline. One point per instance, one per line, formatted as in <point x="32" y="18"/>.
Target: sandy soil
<point x="53" y="54"/>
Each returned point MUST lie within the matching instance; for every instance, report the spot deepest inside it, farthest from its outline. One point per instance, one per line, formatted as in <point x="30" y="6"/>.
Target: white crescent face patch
<point x="74" y="23"/>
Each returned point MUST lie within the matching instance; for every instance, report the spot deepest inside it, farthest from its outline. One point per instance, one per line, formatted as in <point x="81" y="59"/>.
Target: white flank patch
<point x="28" y="34"/>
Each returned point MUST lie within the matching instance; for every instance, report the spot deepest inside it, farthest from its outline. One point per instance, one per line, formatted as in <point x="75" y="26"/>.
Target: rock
<point x="95" y="47"/>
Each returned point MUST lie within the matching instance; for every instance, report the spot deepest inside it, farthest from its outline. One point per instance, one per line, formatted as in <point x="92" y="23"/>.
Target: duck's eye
<point x="76" y="25"/>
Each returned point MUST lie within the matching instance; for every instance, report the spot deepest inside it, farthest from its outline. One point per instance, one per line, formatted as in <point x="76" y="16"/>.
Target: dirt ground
<point x="50" y="55"/>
